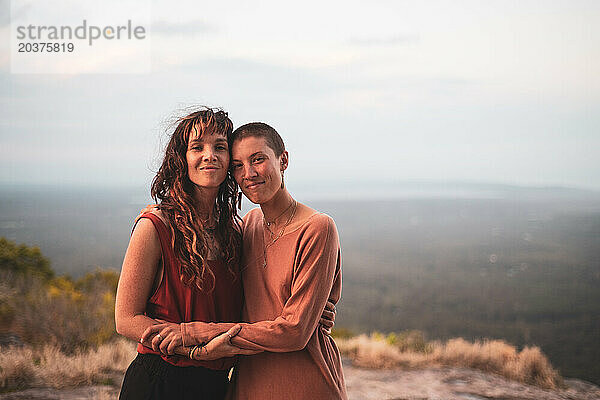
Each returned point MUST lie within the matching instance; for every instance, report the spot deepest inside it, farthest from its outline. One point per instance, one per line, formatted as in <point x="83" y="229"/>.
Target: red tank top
<point x="176" y="302"/>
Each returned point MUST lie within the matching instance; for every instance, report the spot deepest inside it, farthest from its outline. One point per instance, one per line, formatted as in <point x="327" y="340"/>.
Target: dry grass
<point x="68" y="329"/>
<point x="69" y="314"/>
<point x="49" y="367"/>
<point x="529" y="365"/>
<point x="17" y="368"/>
<point x="369" y="352"/>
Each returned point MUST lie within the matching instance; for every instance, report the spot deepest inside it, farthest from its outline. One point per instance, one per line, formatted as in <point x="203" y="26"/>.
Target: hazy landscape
<point x="473" y="261"/>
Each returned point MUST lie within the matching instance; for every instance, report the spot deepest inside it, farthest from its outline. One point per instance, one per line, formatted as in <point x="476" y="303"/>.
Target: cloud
<point x="182" y="28"/>
<point x="385" y="40"/>
<point x="4" y="13"/>
<point x="13" y="12"/>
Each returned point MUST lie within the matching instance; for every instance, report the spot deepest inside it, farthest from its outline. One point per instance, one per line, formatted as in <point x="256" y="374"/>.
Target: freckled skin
<point x="208" y="151"/>
<point x="257" y="169"/>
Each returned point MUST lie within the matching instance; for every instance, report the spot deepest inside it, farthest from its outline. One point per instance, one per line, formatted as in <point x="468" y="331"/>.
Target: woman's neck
<point x="205" y="199"/>
<point x="277" y="205"/>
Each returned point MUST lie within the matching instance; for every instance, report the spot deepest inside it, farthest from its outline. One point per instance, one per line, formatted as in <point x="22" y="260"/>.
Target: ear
<point x="283" y="158"/>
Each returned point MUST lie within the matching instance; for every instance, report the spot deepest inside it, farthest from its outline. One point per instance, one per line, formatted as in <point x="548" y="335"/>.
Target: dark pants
<point x="149" y="377"/>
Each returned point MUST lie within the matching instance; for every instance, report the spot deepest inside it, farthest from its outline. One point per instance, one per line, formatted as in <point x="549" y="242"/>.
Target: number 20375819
<point x="44" y="47"/>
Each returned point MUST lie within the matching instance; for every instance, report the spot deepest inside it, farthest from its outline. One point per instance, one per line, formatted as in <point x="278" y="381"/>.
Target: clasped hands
<point x="166" y="338"/>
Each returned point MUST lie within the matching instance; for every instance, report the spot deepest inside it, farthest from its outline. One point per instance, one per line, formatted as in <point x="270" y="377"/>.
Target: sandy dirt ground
<point x="393" y="384"/>
<point x="452" y="384"/>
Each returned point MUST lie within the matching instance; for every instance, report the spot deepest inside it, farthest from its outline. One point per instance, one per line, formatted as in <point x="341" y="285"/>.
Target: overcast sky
<point x="471" y="91"/>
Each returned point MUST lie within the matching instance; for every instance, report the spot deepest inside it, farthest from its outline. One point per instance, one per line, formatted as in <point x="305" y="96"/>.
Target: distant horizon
<point x="363" y="190"/>
<point x="457" y="182"/>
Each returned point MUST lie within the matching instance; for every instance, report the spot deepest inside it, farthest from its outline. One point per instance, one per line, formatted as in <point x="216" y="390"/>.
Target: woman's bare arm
<point x="136" y="281"/>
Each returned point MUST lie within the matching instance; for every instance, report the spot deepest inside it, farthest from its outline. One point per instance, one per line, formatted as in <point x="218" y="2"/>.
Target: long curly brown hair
<point x="173" y="190"/>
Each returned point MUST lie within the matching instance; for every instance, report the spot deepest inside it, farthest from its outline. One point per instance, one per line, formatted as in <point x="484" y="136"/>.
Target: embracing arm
<point x="316" y="269"/>
<point x="136" y="280"/>
<point x="198" y="332"/>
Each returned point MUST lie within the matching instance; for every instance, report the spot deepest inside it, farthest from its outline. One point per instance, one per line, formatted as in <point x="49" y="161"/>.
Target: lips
<point x="209" y="168"/>
<point x="253" y="185"/>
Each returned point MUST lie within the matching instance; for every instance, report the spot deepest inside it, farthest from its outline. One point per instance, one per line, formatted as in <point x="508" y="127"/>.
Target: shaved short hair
<point x="260" y="129"/>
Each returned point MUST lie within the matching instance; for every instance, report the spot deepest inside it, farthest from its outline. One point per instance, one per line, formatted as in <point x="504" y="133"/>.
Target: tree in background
<point x="23" y="259"/>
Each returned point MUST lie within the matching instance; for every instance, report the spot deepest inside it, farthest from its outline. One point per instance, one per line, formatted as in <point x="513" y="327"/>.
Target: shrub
<point x="62" y="312"/>
<point x="532" y="366"/>
<point x="342" y="333"/>
<point x="48" y="366"/>
<point x="67" y="325"/>
<point x="410" y="340"/>
<point x="409" y="349"/>
<point x="17" y="368"/>
<point x="375" y="352"/>
<point x="23" y="259"/>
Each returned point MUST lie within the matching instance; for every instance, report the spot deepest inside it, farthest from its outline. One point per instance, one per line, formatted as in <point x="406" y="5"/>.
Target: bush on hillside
<point x="42" y="309"/>
<point x="23" y="259"/>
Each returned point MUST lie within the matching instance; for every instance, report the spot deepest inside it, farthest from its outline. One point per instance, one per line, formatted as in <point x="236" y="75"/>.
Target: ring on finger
<point x="158" y="336"/>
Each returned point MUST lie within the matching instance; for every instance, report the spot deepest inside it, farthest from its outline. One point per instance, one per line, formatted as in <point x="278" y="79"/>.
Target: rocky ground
<point x="453" y="383"/>
<point x="393" y="384"/>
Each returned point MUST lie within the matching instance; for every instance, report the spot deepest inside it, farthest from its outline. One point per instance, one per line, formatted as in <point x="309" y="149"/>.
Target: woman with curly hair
<point x="182" y="262"/>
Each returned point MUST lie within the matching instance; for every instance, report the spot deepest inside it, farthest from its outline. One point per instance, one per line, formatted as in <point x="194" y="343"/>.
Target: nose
<point x="210" y="155"/>
<point x="250" y="172"/>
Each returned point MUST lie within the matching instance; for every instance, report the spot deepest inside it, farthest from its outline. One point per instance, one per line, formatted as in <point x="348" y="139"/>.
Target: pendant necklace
<point x="268" y="224"/>
<point x="207" y="224"/>
<point x="273" y="240"/>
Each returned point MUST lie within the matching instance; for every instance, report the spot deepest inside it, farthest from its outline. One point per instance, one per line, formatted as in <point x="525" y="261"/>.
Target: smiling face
<point x="256" y="168"/>
<point x="207" y="159"/>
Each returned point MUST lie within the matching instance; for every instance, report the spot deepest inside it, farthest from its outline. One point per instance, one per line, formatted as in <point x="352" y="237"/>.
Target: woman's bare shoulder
<point x="158" y="212"/>
<point x="146" y="228"/>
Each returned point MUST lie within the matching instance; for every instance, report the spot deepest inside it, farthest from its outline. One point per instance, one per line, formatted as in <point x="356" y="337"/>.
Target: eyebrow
<point x="251" y="155"/>
<point x="199" y="140"/>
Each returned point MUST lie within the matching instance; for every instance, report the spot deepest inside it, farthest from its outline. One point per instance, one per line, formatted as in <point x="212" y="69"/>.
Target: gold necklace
<point x="266" y="246"/>
<point x="207" y="224"/>
<point x="268" y="224"/>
